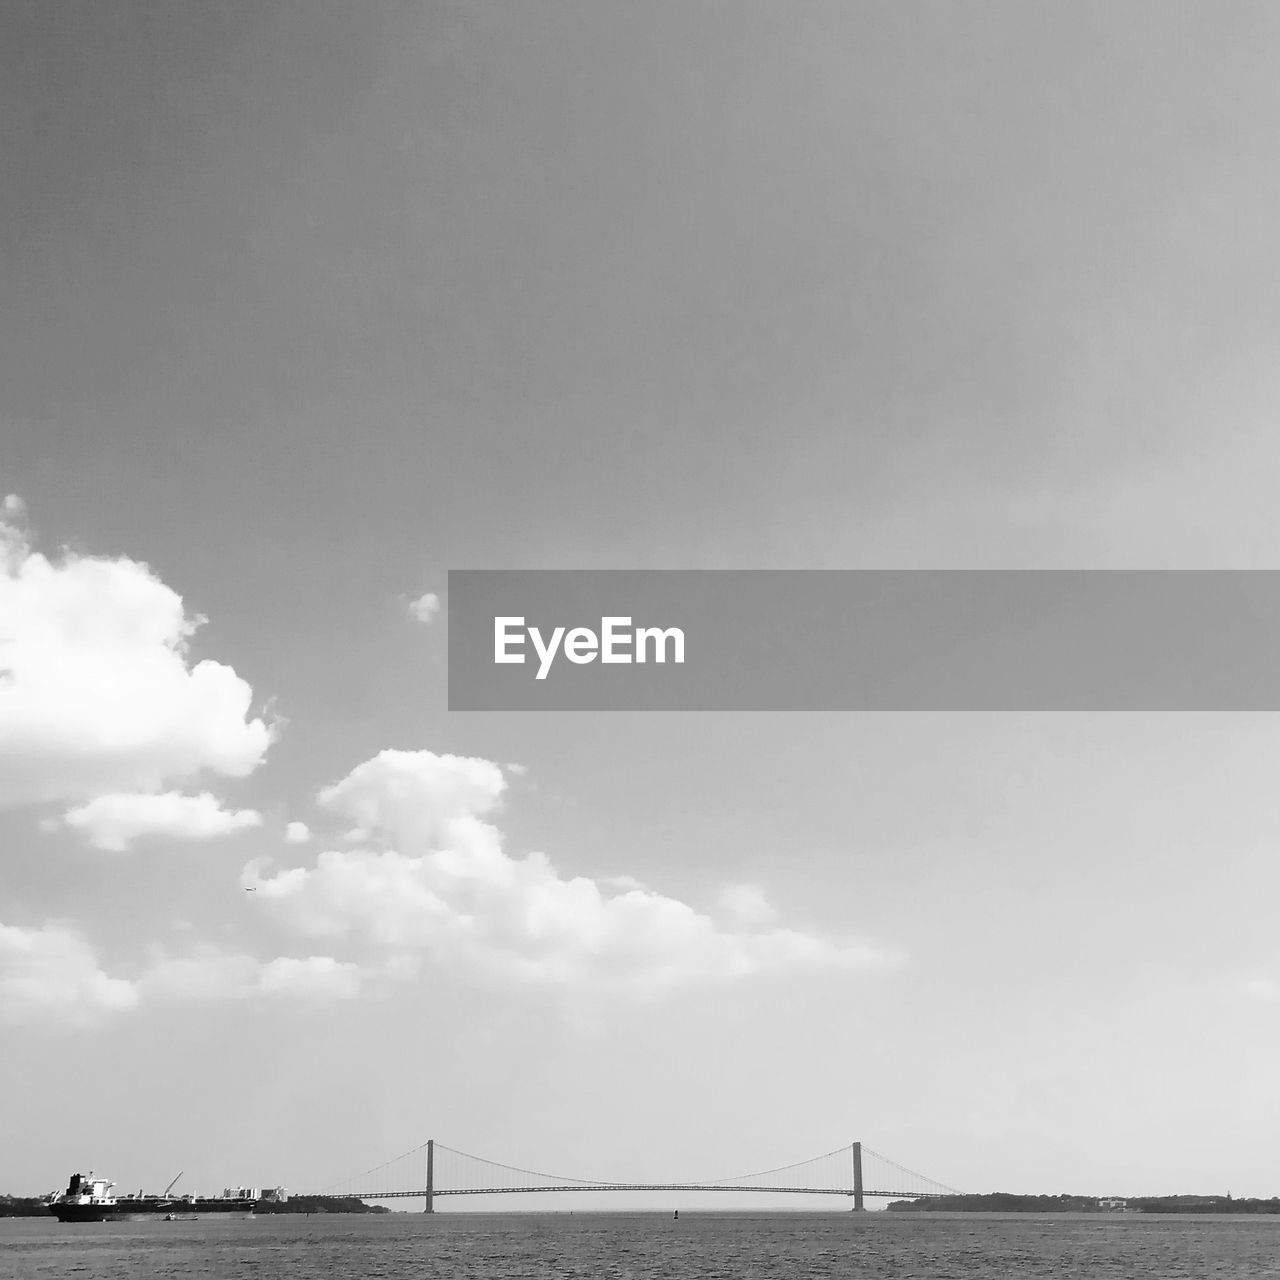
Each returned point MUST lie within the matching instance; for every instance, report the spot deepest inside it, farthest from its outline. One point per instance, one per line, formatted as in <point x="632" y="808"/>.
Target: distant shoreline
<point x="38" y="1206"/>
<point x="1008" y="1202"/>
<point x="994" y="1202"/>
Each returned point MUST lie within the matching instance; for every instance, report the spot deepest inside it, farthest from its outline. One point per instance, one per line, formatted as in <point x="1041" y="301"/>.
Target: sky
<point x="302" y="305"/>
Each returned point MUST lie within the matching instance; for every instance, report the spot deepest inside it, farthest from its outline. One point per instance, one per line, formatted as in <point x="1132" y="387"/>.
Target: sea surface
<point x="699" y="1246"/>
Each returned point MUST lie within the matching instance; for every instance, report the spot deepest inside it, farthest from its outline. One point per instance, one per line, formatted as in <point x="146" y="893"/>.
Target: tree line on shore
<point x="1008" y="1202"/>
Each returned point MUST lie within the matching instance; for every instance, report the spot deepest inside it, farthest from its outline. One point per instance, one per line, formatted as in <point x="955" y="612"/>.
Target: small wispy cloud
<point x="214" y="975"/>
<point x="1263" y="990"/>
<point x="746" y="904"/>
<point x="50" y="974"/>
<point x="425" y="608"/>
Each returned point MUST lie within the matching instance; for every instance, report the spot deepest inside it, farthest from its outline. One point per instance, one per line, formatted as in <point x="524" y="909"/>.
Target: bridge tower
<point x="431" y="1154"/>
<point x="858" y="1206"/>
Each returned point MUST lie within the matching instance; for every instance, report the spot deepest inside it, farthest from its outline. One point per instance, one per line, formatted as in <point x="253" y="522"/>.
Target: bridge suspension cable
<point x="469" y="1173"/>
<point x="908" y="1177"/>
<point x="401" y="1175"/>
<point x="840" y="1154"/>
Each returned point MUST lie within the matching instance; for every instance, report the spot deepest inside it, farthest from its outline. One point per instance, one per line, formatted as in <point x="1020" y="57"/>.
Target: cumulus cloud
<point x="417" y="795"/>
<point x="297" y="833"/>
<point x="425" y="608"/>
<point x="113" y="822"/>
<point x="441" y="884"/>
<point x="51" y="974"/>
<point x="97" y="690"/>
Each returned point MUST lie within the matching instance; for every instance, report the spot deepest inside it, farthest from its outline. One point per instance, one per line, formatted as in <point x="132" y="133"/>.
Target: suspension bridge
<point x="431" y="1170"/>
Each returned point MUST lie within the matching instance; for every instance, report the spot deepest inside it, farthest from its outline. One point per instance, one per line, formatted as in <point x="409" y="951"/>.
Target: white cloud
<point x="425" y="608"/>
<point x="516" y="770"/>
<point x="747" y="904"/>
<point x="206" y="975"/>
<point x="442" y="885"/>
<point x="620" y="882"/>
<point x="1264" y="990"/>
<point x="97" y="692"/>
<point x="297" y="833"/>
<point x="13" y="507"/>
<point x="113" y="822"/>
<point x="51" y="974"/>
<point x="418" y="795"/>
<point x="214" y="975"/>
<point x="316" y="978"/>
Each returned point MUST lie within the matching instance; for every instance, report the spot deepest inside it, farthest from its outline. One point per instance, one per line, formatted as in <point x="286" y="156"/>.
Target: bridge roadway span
<point x="648" y="1186"/>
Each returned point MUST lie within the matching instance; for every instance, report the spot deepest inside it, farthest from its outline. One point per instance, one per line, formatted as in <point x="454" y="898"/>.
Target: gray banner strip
<point x="864" y="640"/>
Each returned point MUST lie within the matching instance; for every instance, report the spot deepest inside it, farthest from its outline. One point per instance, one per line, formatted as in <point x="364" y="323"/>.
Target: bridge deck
<point x="645" y="1186"/>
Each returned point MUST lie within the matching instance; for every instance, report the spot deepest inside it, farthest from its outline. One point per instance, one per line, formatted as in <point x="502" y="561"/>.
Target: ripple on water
<point x="640" y="1246"/>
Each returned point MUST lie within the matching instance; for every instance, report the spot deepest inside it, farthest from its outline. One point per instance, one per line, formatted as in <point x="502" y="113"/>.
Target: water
<point x="598" y="1246"/>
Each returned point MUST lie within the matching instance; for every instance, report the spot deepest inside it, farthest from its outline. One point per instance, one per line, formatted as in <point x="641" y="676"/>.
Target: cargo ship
<point x="90" y="1199"/>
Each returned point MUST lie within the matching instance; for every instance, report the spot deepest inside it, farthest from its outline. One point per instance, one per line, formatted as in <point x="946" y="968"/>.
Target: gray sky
<point x="304" y="304"/>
